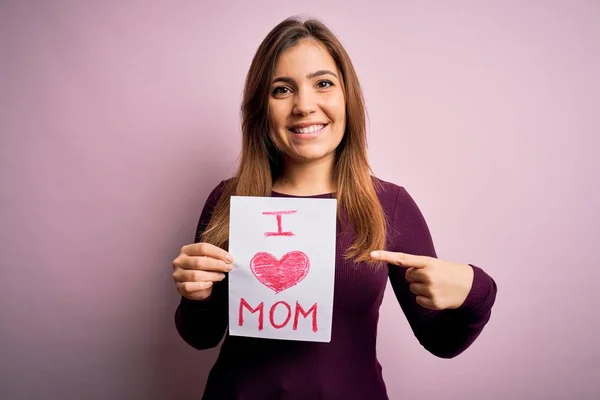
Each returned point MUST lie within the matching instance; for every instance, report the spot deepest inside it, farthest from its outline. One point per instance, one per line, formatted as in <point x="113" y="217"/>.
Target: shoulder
<point x="214" y="195"/>
<point x="396" y="201"/>
<point x="407" y="227"/>
<point x="385" y="187"/>
<point x="218" y="190"/>
<point x="389" y="193"/>
<point x="209" y="206"/>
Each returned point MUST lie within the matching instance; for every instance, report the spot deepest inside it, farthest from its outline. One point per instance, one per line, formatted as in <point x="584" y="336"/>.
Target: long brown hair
<point x="260" y="162"/>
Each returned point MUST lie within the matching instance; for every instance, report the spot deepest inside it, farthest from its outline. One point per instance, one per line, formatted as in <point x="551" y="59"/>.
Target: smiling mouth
<point x="308" y="129"/>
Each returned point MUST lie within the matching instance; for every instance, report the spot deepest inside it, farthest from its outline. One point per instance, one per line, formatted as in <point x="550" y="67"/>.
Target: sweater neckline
<point x="313" y="196"/>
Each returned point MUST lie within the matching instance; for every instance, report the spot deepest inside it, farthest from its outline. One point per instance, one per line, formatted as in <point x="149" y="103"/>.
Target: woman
<point x="303" y="124"/>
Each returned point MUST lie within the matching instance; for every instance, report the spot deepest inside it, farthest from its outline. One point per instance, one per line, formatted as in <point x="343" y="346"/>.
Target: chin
<point x="307" y="156"/>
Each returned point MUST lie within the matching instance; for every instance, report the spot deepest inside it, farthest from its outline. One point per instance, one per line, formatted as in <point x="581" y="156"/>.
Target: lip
<point x="307" y="136"/>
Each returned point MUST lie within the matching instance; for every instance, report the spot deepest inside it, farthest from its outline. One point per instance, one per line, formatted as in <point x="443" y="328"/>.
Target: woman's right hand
<point x="197" y="267"/>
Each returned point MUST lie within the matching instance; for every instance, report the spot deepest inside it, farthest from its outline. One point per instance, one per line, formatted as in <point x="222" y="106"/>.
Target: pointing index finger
<point x="401" y="259"/>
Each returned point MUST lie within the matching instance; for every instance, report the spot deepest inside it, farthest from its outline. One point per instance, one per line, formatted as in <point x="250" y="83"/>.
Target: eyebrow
<point x="312" y="75"/>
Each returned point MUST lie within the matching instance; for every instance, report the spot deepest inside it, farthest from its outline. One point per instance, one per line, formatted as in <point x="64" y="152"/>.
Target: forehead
<point x="303" y="58"/>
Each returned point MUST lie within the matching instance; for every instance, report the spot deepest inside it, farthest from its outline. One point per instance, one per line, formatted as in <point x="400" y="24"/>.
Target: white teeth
<point x="309" y="129"/>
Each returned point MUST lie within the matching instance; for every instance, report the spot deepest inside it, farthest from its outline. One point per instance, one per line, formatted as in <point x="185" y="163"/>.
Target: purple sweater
<point x="347" y="367"/>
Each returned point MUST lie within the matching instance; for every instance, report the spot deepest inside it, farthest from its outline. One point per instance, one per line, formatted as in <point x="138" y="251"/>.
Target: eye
<point x="281" y="90"/>
<point x="325" y="84"/>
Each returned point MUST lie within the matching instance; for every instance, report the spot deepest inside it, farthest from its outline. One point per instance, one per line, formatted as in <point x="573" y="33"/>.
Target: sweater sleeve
<point x="445" y="333"/>
<point x="202" y="323"/>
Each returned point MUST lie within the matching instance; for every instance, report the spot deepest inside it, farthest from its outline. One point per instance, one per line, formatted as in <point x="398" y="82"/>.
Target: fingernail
<point x="229" y="258"/>
<point x="229" y="267"/>
<point x="374" y="254"/>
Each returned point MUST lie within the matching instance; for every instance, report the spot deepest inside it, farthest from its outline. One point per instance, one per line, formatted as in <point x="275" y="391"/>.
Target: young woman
<point x="303" y="124"/>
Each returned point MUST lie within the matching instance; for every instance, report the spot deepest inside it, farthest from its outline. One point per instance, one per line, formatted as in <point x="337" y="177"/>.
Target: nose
<point x="304" y="103"/>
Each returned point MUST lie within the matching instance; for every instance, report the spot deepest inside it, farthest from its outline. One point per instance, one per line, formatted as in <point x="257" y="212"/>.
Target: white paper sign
<point x="281" y="285"/>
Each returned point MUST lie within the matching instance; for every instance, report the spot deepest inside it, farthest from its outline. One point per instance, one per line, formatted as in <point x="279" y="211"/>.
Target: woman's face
<point x="306" y="104"/>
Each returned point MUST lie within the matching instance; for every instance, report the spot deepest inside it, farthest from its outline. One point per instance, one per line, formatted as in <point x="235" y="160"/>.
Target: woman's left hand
<point x="438" y="284"/>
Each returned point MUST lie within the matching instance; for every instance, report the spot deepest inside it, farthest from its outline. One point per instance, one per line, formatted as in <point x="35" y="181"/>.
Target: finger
<point x="197" y="295"/>
<point x="188" y="275"/>
<point x="207" y="249"/>
<point x="420" y="289"/>
<point x="204" y="263"/>
<point x="408" y="275"/>
<point x="426" y="302"/>
<point x="419" y="275"/>
<point x="401" y="259"/>
<point x="191" y="287"/>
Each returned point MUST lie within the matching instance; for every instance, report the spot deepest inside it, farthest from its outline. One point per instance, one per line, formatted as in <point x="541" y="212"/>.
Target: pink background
<point x="117" y="118"/>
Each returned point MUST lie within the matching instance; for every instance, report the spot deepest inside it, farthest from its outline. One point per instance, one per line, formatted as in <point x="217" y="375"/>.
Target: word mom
<point x="298" y="310"/>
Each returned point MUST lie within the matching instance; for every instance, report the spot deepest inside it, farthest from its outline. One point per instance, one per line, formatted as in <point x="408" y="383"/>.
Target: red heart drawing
<point x="279" y="275"/>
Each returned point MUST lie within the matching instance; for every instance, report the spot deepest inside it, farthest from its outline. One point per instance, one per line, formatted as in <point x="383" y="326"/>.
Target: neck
<point x="306" y="179"/>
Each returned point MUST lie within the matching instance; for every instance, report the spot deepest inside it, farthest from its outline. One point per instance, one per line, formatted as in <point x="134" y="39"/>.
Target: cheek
<point x="336" y="107"/>
<point x="278" y="116"/>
